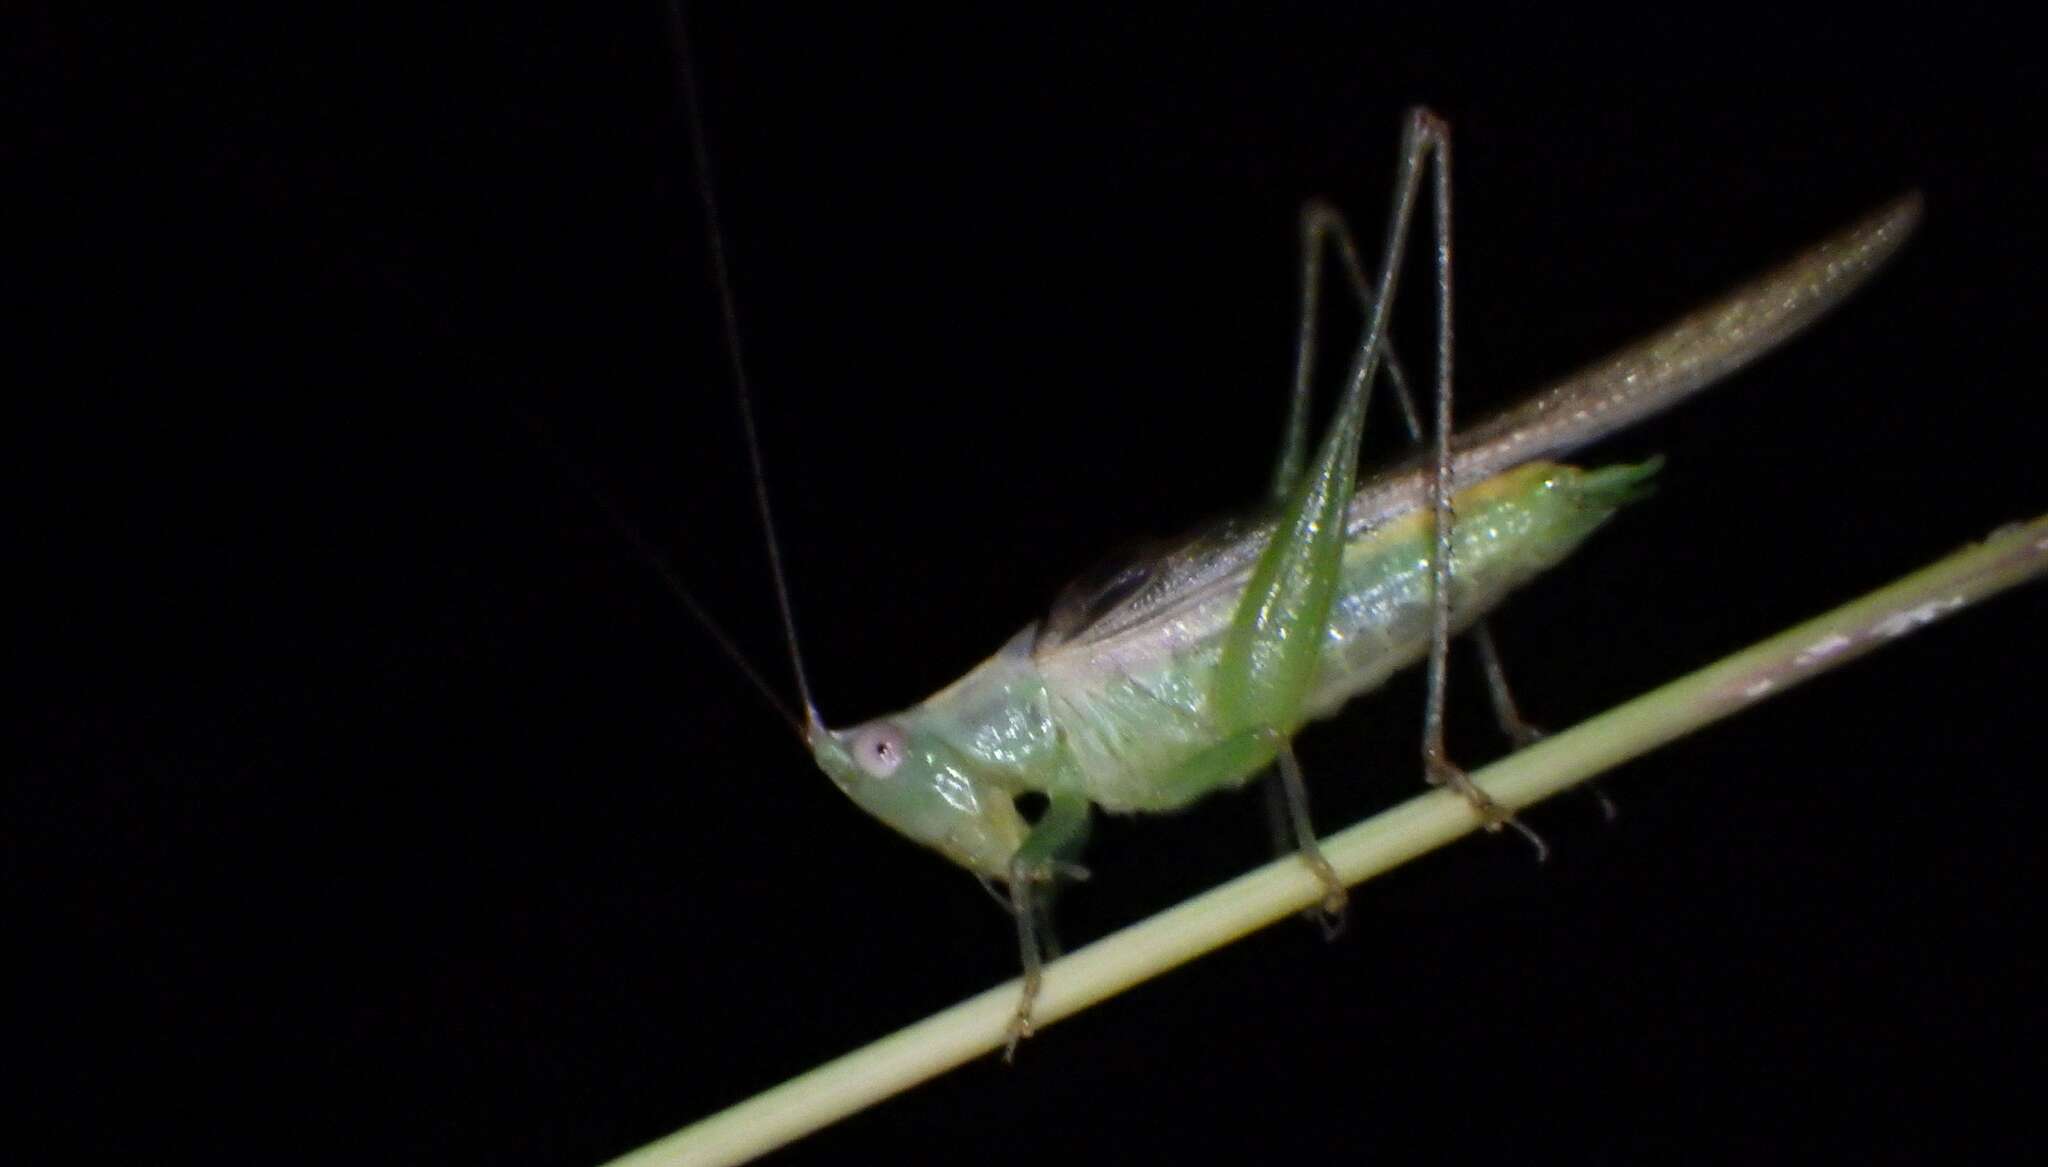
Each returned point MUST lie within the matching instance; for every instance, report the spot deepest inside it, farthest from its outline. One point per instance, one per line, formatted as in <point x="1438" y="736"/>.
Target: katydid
<point x="1191" y="670"/>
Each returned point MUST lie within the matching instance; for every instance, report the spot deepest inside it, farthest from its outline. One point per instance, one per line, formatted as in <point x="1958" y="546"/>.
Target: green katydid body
<point x="1146" y="692"/>
<point x="1124" y="713"/>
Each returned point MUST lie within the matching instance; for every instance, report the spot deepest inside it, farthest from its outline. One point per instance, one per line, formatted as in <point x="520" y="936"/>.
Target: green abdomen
<point x="1508" y="529"/>
<point x="1136" y="712"/>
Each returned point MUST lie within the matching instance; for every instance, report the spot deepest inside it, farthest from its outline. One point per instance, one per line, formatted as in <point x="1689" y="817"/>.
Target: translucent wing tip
<point x="1902" y="214"/>
<point x="1880" y="233"/>
<point x="1702" y="347"/>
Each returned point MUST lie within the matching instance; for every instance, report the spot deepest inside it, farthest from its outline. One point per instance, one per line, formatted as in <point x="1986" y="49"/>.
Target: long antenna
<point x="627" y="530"/>
<point x="701" y="155"/>
<point x="624" y="527"/>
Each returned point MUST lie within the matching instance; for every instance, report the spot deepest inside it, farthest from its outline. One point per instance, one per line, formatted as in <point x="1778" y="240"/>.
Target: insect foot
<point x="1031" y="886"/>
<point x="1020" y="1025"/>
<point x="1336" y="897"/>
<point x="1441" y="771"/>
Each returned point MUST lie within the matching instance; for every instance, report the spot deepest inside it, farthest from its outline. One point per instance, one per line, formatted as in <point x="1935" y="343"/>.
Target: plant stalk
<point x="979" y="1025"/>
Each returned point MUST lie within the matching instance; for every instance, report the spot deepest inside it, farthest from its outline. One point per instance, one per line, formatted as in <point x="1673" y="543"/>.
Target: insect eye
<point x="878" y="750"/>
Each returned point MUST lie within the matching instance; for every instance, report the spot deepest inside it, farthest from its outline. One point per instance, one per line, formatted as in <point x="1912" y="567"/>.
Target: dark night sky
<point x="375" y="803"/>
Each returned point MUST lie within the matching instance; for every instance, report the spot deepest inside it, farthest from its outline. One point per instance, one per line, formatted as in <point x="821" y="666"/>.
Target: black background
<point x="376" y="803"/>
